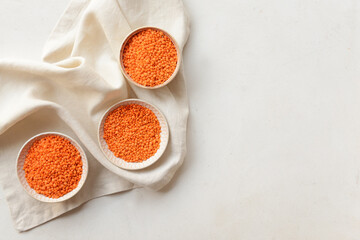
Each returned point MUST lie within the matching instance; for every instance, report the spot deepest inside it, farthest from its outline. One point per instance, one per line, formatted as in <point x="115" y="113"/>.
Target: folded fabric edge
<point x="20" y="227"/>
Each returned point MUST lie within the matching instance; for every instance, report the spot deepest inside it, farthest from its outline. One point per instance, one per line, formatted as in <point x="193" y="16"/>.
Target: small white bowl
<point x="21" y="173"/>
<point x="127" y="76"/>
<point x="164" y="137"/>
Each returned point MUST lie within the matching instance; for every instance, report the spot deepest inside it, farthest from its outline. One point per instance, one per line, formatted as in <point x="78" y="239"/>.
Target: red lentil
<point x="53" y="166"/>
<point x="150" y="57"/>
<point x="132" y="132"/>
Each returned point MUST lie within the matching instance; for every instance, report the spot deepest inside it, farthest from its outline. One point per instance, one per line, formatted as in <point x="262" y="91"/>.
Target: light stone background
<point x="274" y="128"/>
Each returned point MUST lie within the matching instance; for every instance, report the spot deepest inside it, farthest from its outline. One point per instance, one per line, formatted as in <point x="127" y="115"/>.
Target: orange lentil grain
<point x="53" y="166"/>
<point x="132" y="132"/>
<point x="150" y="57"/>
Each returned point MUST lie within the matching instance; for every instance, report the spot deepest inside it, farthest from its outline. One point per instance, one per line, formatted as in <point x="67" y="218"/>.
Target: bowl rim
<point x="122" y="67"/>
<point x="41" y="197"/>
<point x="134" y="165"/>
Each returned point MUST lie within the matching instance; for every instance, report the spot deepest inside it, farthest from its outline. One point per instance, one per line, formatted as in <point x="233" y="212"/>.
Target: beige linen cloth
<point x="78" y="79"/>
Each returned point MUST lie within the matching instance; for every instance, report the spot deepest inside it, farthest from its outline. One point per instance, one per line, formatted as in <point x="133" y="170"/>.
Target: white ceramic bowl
<point x="21" y="173"/>
<point x="164" y="137"/>
<point x="122" y="64"/>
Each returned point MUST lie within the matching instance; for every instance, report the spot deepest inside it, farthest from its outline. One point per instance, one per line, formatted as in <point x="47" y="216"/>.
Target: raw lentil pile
<point x="132" y="132"/>
<point x="150" y="57"/>
<point x="53" y="166"/>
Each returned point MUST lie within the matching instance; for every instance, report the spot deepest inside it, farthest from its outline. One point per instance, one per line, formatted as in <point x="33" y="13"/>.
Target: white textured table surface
<point x="274" y="129"/>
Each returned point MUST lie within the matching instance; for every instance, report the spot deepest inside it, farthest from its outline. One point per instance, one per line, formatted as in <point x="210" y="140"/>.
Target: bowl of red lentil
<point x="51" y="167"/>
<point x="133" y="134"/>
<point x="149" y="57"/>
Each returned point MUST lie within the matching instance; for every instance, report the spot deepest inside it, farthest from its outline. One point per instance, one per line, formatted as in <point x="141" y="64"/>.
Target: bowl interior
<point x="21" y="173"/>
<point x="127" y="76"/>
<point x="164" y="137"/>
